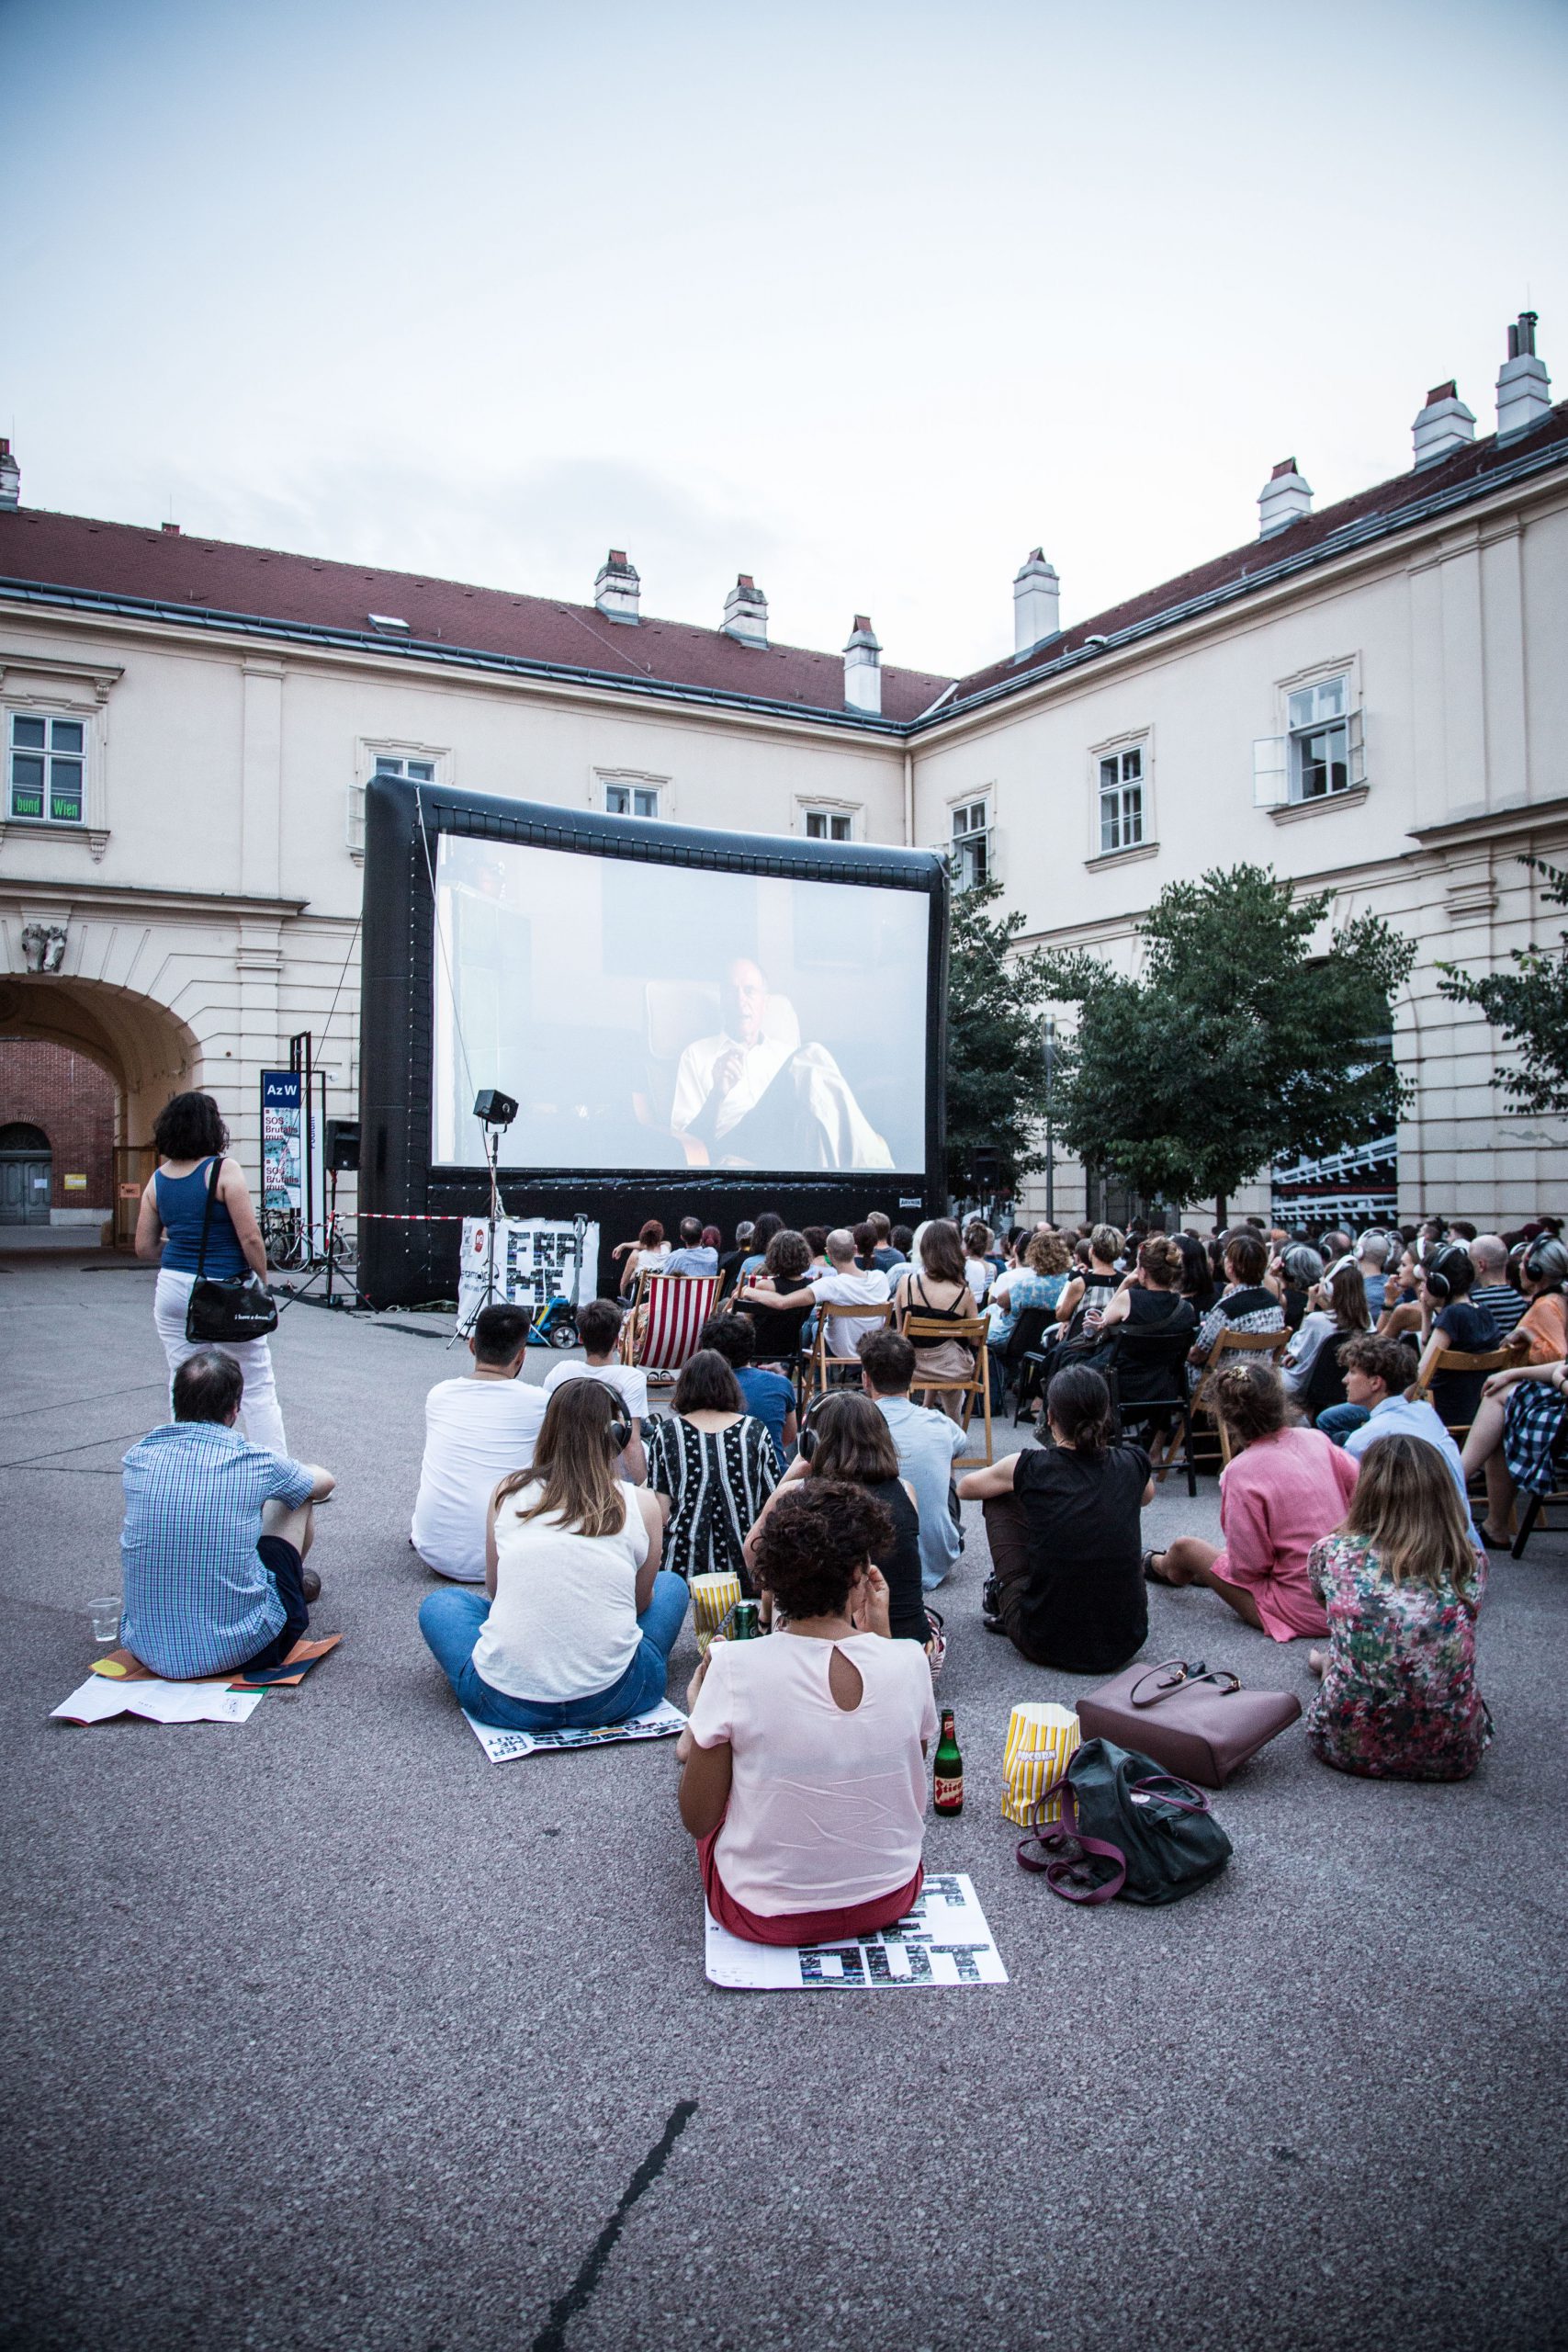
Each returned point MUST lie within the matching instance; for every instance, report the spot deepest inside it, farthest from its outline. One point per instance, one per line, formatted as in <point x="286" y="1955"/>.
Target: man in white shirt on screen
<point x="477" y="1431"/>
<point x="753" y="1096"/>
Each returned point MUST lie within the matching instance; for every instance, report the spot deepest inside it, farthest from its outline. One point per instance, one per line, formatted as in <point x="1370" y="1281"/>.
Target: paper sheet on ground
<point x="161" y="1703"/>
<point x="943" y="1940"/>
<point x="660" y="1722"/>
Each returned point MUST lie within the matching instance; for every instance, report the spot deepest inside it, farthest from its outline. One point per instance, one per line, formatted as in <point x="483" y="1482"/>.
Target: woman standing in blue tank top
<point x="188" y="1136"/>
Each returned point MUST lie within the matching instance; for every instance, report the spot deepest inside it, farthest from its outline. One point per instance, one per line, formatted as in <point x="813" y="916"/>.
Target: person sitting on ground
<point x="599" y="1329"/>
<point x="928" y="1446"/>
<point x="1372" y="1257"/>
<point x="1377" y="1375"/>
<point x="1245" y="1304"/>
<point x="1492" y="1291"/>
<point x="693" y="1256"/>
<point x="577" y="1621"/>
<point x="1293" y="1276"/>
<point x="979" y="1271"/>
<point x="1400" y="1583"/>
<point x="648" y="1254"/>
<point x="1337" y="1308"/>
<point x="216" y="1534"/>
<point x="846" y="1440"/>
<point x="846" y="1285"/>
<point x="1447" y="1309"/>
<point x="803" y="1773"/>
<point x="1040" y="1282"/>
<point x="772" y="1298"/>
<point x="712" y="1467"/>
<point x="1088" y="1290"/>
<point x="1513" y="1438"/>
<point x="1283" y="1489"/>
<point x="887" y="1254"/>
<point x="816" y="1239"/>
<point x="938" y="1291"/>
<point x="477" y="1431"/>
<point x="1062" y="1522"/>
<point x="768" y="1397"/>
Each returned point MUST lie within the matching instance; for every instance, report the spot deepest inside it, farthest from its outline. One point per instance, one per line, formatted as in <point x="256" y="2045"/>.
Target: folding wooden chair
<point x="1533" y="1505"/>
<point x="927" y="1332"/>
<point x="667" y="1314"/>
<point x="1271" y="1344"/>
<point x="1164" y="1353"/>
<point x="818" y="1365"/>
<point x="1441" y="1358"/>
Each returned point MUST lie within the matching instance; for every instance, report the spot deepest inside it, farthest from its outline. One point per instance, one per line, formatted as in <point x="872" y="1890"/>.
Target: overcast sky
<point x="865" y="299"/>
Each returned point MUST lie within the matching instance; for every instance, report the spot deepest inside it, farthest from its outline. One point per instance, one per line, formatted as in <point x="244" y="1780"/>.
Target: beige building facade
<point x="1371" y="699"/>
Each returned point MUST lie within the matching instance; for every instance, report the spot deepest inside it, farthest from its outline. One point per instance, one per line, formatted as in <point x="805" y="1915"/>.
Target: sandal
<point x="936" y="1649"/>
<point x="1152" y="1575"/>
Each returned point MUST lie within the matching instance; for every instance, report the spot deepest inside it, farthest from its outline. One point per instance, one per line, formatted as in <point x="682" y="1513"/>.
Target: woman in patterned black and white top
<point x="713" y="1466"/>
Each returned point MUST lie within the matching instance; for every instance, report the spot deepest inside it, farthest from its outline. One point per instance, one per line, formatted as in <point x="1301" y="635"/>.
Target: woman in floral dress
<point x="1401" y="1582"/>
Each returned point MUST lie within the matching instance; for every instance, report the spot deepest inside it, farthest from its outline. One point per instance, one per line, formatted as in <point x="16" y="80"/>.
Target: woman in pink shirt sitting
<point x="1281" y="1492"/>
<point x="804" y="1780"/>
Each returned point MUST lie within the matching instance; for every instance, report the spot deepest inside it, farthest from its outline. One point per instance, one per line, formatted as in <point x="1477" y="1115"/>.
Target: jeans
<point x="260" y="1416"/>
<point x="450" y="1621"/>
<point x="1338" y="1422"/>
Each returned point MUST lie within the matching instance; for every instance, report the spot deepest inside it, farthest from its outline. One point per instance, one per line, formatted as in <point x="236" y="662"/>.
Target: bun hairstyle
<point x="1159" y="1258"/>
<point x="1078" y="1402"/>
<point x="1251" y="1400"/>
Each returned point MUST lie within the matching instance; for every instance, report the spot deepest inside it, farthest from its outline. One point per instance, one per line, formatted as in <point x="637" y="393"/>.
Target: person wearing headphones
<point x="1514" y="1435"/>
<point x="577" y="1621"/>
<point x="1443" y="1288"/>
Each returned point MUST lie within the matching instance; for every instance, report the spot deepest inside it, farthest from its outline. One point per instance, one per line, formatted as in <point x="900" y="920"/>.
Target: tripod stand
<point x="492" y="1153"/>
<point x="354" y="1300"/>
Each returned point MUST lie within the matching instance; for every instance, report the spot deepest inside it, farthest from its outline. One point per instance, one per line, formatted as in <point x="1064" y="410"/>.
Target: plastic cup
<point x="106" y="1618"/>
<point x="1041" y="1741"/>
<point x="713" y="1598"/>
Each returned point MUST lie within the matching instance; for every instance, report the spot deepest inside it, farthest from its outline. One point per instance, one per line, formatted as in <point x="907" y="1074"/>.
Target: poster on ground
<point x="944" y="1940"/>
<point x="536" y="1260"/>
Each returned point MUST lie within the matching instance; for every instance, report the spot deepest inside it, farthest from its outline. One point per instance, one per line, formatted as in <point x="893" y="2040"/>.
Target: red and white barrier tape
<point x="400" y="1216"/>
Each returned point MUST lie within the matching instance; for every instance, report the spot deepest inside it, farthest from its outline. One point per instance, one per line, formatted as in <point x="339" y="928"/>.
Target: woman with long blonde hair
<point x="1401" y="1582"/>
<point x="577" y="1621"/>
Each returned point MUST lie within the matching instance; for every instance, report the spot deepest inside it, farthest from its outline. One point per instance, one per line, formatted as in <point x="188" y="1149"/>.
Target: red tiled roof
<point x="216" y="576"/>
<point x="1466" y="467"/>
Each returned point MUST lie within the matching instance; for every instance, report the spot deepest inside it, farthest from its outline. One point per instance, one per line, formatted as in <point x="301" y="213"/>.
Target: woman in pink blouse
<point x="1283" y="1491"/>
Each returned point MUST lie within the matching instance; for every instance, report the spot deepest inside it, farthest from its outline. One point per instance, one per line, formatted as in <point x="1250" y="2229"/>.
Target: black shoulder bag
<point x="237" y="1307"/>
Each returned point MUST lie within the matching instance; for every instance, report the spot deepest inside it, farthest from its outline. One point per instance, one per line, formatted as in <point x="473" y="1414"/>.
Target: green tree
<point x="1530" y="1005"/>
<point x="994" y="1044"/>
<point x="1236" y="1045"/>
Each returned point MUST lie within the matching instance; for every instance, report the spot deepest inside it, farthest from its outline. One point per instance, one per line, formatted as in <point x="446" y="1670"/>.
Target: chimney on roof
<point x="1036" y="602"/>
<point x="1284" y="498"/>
<point x="863" y="668"/>
<point x="1444" y="425"/>
<point x="170" y="530"/>
<point x="617" y="588"/>
<point x="745" y="613"/>
<point x="1524" y="387"/>
<point x="10" y="477"/>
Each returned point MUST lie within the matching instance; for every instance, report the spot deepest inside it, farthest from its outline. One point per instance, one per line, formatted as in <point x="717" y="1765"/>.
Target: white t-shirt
<point x="630" y="1384"/>
<point x="858" y="1287"/>
<point x="827" y="1808"/>
<point x="476" y="1433"/>
<point x="563" y="1623"/>
<point x="979" y="1273"/>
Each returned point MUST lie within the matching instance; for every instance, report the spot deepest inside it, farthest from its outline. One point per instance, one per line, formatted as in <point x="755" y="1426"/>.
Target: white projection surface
<point x="660" y="1016"/>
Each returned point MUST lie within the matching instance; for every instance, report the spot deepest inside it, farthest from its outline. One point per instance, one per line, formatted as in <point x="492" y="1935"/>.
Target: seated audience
<point x="1400" y="1583"/>
<point x="847" y="1441"/>
<point x="713" y="1240"/>
<point x="1540" y="1271"/>
<point x="1401" y="1305"/>
<point x="1041" y="1281"/>
<point x="803" y="1762"/>
<point x="902" y="1238"/>
<point x="216" y="1534"/>
<point x="927" y="1444"/>
<point x="1372" y="1257"/>
<point x="1492" y="1291"/>
<point x="1335" y="1309"/>
<point x="731" y="1261"/>
<point x="816" y="1239"/>
<point x="979" y="1271"/>
<point x="648" y="1254"/>
<point x="1443" y="1285"/>
<point x="846" y="1285"/>
<point x="693" y="1256"/>
<point x="1292" y="1276"/>
<point x="773" y="1298"/>
<point x="1087" y="1289"/>
<point x="937" y="1290"/>
<point x="1514" y="1434"/>
<point x="599" y="1329"/>
<point x="884" y="1254"/>
<point x="1149" y="1303"/>
<point x="1283" y="1489"/>
<point x="1064" y="1527"/>
<point x="577" y="1621"/>
<point x="762" y="1232"/>
<point x="768" y="1397"/>
<point x="477" y="1431"/>
<point x="1197" y="1282"/>
<point x="1245" y="1304"/>
<point x="712" y="1465"/>
<point x="865" y="1241"/>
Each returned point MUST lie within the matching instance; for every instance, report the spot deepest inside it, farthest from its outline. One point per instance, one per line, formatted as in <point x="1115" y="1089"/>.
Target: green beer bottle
<point x="947" y="1778"/>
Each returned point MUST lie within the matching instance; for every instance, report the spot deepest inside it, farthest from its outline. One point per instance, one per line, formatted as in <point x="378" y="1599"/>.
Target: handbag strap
<point x="1064" y="1849"/>
<point x="207" y="1214"/>
<point x="1179" y="1675"/>
<point x="1159" y="1785"/>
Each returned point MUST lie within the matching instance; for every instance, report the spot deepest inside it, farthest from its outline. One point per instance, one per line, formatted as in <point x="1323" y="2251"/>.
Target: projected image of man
<point x="753" y="1096"/>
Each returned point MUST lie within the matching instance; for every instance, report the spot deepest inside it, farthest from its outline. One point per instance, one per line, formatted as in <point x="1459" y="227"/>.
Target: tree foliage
<point x="1235" y="1045"/>
<point x="993" y="1044"/>
<point x="1530" y="1005"/>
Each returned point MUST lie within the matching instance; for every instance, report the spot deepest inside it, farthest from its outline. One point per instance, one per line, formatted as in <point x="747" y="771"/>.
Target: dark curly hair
<point x="789" y="1257"/>
<point x="733" y="1336"/>
<point x="189" y="1127"/>
<point x="814" y="1540"/>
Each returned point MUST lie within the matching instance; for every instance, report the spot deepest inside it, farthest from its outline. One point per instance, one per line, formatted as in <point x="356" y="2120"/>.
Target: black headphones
<point x="1440" y="1269"/>
<point x="620" y="1436"/>
<point x="1537" y="1260"/>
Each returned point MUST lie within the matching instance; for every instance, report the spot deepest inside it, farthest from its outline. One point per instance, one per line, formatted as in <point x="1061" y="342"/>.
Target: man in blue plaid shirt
<point x="216" y="1534"/>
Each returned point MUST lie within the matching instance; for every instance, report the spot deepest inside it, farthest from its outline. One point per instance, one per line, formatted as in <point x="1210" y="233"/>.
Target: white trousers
<point x="260" y="1416"/>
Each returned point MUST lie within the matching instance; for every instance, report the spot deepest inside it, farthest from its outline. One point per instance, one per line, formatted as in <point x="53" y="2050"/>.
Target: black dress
<point x="1073" y="1594"/>
<point x="901" y="1566"/>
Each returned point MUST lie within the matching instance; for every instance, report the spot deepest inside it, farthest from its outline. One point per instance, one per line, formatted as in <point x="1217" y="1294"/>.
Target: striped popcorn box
<point x="713" y="1598"/>
<point x="1040" y="1744"/>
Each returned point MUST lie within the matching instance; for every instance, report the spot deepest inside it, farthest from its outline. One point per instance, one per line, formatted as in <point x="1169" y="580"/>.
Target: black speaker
<point x="494" y="1109"/>
<point x="342" y="1147"/>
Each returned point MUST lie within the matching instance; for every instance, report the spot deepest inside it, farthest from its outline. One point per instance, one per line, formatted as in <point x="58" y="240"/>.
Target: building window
<point x="416" y="771"/>
<point x="48" y="767"/>
<point x="1318" y="720"/>
<point x="631" y="799"/>
<point x="972" y="844"/>
<point x="1121" y="800"/>
<point x="830" y="825"/>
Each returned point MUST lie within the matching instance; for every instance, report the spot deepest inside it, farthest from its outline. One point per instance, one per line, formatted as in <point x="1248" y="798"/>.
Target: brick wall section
<point x="74" y="1102"/>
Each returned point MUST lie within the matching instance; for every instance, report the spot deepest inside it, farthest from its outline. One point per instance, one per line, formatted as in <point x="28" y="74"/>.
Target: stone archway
<point x="147" y="1050"/>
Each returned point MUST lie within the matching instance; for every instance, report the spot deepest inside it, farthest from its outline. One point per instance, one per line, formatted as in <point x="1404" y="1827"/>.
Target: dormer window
<point x="388" y="624"/>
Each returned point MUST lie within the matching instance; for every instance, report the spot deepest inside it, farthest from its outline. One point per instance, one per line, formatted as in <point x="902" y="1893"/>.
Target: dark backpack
<point x="1127" y="1828"/>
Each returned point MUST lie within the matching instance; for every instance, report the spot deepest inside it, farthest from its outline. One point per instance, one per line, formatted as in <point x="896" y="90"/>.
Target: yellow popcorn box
<point x="713" y="1598"/>
<point x="1040" y="1745"/>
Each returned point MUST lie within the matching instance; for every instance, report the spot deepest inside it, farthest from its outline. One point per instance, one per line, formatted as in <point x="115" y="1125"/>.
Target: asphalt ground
<point x="323" y="2032"/>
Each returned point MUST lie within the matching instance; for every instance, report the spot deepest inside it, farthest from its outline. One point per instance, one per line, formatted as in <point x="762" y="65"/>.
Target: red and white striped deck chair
<point x="668" y="1313"/>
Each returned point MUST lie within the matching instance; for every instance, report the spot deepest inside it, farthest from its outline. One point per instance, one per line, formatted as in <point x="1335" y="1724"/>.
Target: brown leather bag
<point x="1195" y="1720"/>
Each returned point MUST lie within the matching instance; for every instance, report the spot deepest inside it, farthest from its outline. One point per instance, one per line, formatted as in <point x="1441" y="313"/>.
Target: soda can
<point x="745" y="1622"/>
